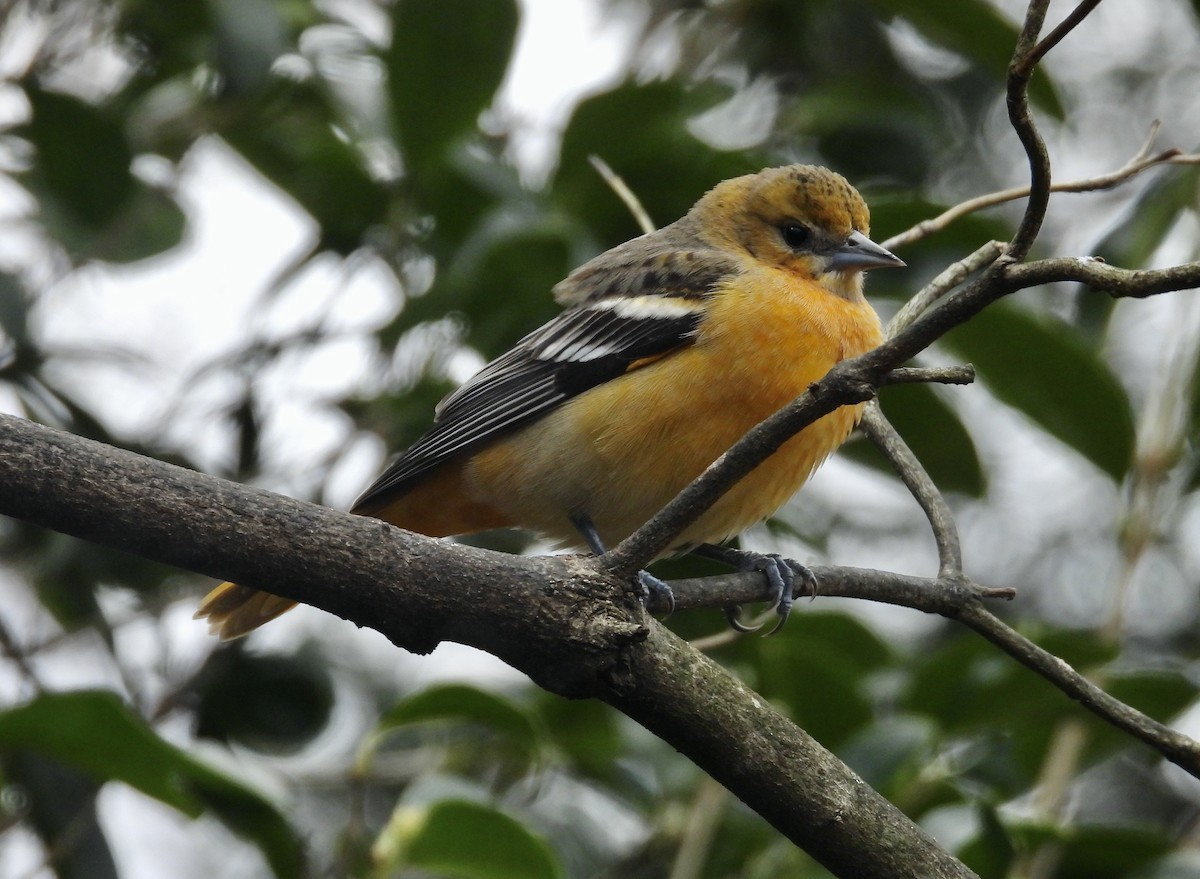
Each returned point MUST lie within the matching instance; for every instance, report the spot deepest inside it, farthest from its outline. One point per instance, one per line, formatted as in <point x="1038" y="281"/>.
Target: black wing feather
<point x="580" y="349"/>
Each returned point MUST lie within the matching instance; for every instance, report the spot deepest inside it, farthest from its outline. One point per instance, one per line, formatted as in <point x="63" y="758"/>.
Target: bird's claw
<point x="785" y="575"/>
<point x="733" y="616"/>
<point x="653" y="587"/>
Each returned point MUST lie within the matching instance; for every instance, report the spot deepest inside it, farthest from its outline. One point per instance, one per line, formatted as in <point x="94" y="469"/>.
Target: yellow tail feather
<point x="233" y="611"/>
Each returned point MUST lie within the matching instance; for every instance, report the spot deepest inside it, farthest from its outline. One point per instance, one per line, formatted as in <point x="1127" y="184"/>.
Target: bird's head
<point x="801" y="218"/>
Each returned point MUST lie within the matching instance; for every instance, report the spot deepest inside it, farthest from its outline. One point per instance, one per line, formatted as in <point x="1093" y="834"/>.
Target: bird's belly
<point x="630" y="445"/>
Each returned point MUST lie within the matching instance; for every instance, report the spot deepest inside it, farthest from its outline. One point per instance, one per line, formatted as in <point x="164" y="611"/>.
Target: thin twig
<point x="945" y="533"/>
<point x="1056" y="36"/>
<point x="1021" y="119"/>
<point x="953" y="275"/>
<point x="624" y="193"/>
<point x="957" y="598"/>
<point x="856" y="380"/>
<point x="1178" y="748"/>
<point x="945" y="375"/>
<point x="1132" y="168"/>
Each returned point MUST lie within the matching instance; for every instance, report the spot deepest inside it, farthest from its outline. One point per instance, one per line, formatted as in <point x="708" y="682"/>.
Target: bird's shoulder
<point x="674" y="261"/>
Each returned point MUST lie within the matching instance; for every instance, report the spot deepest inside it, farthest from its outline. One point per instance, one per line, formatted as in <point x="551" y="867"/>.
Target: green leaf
<point x="60" y="804"/>
<point x="446" y="61"/>
<point x="960" y="683"/>
<point x="250" y="38"/>
<point x="517" y="267"/>
<point x="854" y="102"/>
<point x="888" y="753"/>
<point x="87" y="195"/>
<point x="1158" y="693"/>
<point x="587" y="731"/>
<point x="95" y="733"/>
<point x="991" y="852"/>
<point x="483" y="728"/>
<point x="1149" y="218"/>
<point x="1146" y="222"/>
<point x="892" y="212"/>
<point x="403" y="415"/>
<point x="149" y="223"/>
<point x="464" y="840"/>
<point x="464" y="704"/>
<point x="82" y="166"/>
<point x="270" y="702"/>
<point x="935" y="434"/>
<point x="836" y="653"/>
<point x="1099" y="852"/>
<point x="14" y="317"/>
<point x="1042" y="367"/>
<point x="865" y="126"/>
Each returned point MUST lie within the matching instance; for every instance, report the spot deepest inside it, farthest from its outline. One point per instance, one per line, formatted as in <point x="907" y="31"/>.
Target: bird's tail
<point x="233" y="611"/>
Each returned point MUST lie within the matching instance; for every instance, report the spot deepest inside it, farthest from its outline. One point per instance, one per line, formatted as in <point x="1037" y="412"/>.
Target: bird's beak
<point x="860" y="253"/>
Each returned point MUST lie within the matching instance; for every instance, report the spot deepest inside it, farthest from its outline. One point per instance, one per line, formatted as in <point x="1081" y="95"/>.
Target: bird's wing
<point x="585" y="346"/>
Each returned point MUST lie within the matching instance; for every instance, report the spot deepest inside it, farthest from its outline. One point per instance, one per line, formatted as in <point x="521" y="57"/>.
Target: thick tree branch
<point x="561" y="620"/>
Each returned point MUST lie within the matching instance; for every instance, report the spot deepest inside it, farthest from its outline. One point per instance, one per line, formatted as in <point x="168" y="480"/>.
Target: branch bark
<point x="573" y="628"/>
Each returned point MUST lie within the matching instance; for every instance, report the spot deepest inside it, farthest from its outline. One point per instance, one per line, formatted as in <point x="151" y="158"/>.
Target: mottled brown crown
<point x="809" y="193"/>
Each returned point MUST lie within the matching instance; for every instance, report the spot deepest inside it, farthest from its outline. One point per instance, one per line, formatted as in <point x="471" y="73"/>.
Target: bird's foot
<point x="784" y="575"/>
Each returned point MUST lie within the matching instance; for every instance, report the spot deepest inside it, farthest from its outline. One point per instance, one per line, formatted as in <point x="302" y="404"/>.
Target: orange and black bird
<point x="670" y="347"/>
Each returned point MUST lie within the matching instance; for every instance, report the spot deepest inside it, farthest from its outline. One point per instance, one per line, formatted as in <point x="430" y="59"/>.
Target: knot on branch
<point x="592" y="620"/>
<point x="849" y="382"/>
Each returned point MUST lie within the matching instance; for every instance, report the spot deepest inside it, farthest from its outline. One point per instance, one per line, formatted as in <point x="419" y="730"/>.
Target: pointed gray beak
<point x="860" y="253"/>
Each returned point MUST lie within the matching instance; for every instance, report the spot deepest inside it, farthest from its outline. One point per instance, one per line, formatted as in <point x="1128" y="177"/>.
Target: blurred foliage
<point x="379" y="121"/>
<point x="94" y="733"/>
<point x="1085" y="406"/>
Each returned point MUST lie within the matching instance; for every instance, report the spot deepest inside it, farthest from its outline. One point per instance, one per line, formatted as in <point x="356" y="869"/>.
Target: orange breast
<point x="621" y="451"/>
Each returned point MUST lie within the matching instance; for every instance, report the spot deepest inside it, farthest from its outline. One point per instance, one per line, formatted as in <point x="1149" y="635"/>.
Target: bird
<point x="669" y="348"/>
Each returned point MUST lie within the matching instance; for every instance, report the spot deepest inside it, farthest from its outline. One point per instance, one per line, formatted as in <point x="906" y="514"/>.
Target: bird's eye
<point x="795" y="235"/>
